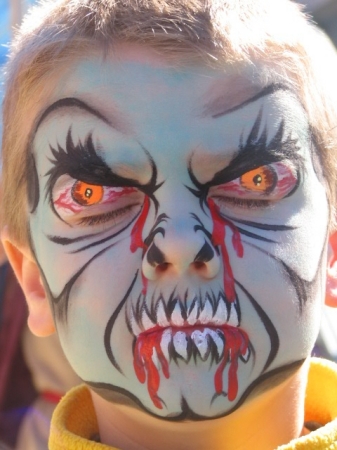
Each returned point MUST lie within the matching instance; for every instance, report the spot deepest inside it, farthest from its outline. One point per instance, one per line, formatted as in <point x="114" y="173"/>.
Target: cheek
<point x="92" y="301"/>
<point x="104" y="282"/>
<point x="291" y="302"/>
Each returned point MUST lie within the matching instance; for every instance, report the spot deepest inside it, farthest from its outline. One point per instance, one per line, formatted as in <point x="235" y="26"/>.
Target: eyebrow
<point x="270" y="89"/>
<point x="72" y="102"/>
<point x="255" y="152"/>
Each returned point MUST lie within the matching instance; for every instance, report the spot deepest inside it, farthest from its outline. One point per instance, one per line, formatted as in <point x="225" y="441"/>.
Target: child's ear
<point x="331" y="285"/>
<point x="40" y="319"/>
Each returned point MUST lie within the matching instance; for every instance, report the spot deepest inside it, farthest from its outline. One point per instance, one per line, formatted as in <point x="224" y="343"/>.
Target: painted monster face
<point x="179" y="220"/>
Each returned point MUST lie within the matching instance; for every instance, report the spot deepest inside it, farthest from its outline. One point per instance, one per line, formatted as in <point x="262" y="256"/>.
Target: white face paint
<point x="180" y="229"/>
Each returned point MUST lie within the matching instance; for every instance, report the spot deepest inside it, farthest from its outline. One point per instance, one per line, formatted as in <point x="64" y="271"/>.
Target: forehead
<point x="132" y="73"/>
<point x="135" y="89"/>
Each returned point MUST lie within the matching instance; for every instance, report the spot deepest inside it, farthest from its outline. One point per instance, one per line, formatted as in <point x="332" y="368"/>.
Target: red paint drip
<point x="218" y="239"/>
<point x="236" y="344"/>
<point x="145" y="367"/>
<point x="137" y="230"/>
<point x="137" y="236"/>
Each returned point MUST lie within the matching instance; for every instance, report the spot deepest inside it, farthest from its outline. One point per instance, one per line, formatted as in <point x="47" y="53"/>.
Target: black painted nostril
<point x="155" y="256"/>
<point x="205" y="254"/>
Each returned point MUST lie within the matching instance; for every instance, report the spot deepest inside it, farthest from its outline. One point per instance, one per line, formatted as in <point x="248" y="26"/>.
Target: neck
<point x="260" y="423"/>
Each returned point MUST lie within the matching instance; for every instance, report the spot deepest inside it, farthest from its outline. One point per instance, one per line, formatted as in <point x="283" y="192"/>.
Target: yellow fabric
<point x="320" y="406"/>
<point x="74" y="421"/>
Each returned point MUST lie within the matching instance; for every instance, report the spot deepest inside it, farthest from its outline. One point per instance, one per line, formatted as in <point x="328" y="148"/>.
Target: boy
<point x="169" y="176"/>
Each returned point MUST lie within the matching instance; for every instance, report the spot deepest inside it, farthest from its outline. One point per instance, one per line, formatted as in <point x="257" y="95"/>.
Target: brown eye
<point x="262" y="179"/>
<point x="87" y="194"/>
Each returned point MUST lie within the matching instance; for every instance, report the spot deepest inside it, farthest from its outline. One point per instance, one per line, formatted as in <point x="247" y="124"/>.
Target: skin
<point x="182" y="219"/>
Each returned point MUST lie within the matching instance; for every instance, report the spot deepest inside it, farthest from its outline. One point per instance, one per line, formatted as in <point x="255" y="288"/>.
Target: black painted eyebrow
<point x="253" y="153"/>
<point x="270" y="89"/>
<point x="71" y="102"/>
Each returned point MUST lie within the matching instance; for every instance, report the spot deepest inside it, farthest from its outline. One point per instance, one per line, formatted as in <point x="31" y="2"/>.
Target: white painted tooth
<point x="233" y="317"/>
<point x="193" y="315"/>
<point x="165" y="342"/>
<point x="155" y="358"/>
<point x="146" y="321"/>
<point x="246" y="355"/>
<point x="176" y="317"/>
<point x="133" y="322"/>
<point x="161" y="316"/>
<point x="206" y="314"/>
<point x="180" y="344"/>
<point x="217" y="341"/>
<point x="220" y="317"/>
<point x="200" y="340"/>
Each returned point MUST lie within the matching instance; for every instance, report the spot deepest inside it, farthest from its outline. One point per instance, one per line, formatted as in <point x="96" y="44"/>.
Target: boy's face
<point x="180" y="224"/>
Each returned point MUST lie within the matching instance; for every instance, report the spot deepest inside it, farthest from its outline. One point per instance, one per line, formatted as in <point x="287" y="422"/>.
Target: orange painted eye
<point x="261" y="179"/>
<point x="87" y="194"/>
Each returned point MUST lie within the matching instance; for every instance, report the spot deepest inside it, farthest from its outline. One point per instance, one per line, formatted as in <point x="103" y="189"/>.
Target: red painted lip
<point x="187" y="327"/>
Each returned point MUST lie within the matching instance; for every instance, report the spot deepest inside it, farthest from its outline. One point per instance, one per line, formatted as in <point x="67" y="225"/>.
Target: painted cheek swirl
<point x="218" y="239"/>
<point x="137" y="236"/>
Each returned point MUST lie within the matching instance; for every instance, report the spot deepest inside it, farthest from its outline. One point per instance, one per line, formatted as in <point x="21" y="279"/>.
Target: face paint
<point x="183" y="273"/>
<point x="137" y="236"/>
<point x="218" y="239"/>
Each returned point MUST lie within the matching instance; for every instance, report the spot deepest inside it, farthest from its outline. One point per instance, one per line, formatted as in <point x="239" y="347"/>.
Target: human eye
<point x="86" y="204"/>
<point x="258" y="188"/>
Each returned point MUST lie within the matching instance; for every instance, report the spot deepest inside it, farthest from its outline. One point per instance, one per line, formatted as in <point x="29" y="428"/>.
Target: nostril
<point x="162" y="267"/>
<point x="199" y="265"/>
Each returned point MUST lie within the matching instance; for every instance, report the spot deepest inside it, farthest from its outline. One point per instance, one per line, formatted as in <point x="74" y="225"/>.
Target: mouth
<point x="178" y="330"/>
<point x="210" y="309"/>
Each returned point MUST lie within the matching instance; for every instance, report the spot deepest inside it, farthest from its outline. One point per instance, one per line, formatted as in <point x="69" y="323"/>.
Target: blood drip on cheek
<point x="236" y="344"/>
<point x="218" y="239"/>
<point x="137" y="236"/>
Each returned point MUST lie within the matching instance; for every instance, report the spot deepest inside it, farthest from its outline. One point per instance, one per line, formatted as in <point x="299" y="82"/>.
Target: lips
<point x="185" y="329"/>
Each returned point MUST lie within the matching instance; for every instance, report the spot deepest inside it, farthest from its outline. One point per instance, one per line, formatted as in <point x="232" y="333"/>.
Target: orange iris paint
<point x="87" y="194"/>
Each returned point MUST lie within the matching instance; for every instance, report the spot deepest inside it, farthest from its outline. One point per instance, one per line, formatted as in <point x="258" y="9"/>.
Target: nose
<point x="179" y="253"/>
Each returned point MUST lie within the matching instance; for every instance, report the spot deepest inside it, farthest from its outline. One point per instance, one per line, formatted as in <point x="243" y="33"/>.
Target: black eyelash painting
<point x="82" y="162"/>
<point x="255" y="152"/>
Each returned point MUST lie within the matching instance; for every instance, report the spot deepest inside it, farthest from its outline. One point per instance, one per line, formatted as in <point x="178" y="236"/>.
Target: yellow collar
<point x="74" y="421"/>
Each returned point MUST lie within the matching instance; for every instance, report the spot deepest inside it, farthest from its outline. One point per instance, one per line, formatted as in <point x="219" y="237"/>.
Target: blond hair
<point x="213" y="32"/>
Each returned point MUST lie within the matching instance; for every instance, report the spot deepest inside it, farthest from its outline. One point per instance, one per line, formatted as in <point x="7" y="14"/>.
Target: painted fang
<point x="206" y="331"/>
<point x="222" y="345"/>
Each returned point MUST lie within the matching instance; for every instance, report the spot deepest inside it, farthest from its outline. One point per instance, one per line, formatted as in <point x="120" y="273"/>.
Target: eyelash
<point x="244" y="203"/>
<point x="104" y="218"/>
